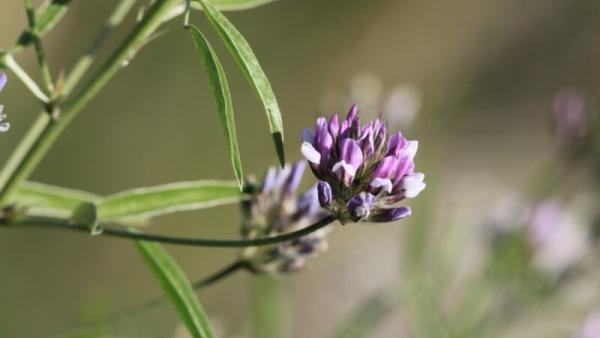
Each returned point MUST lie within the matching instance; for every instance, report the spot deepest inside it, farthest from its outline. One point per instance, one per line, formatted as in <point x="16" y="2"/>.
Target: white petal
<point x="310" y="153"/>
<point x="411" y="149"/>
<point x="346" y="167"/>
<point x="307" y="135"/>
<point x="413" y="184"/>
<point x="384" y="183"/>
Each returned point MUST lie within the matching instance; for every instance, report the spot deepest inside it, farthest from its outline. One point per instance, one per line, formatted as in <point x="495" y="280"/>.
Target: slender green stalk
<point x="130" y="234"/>
<point x="39" y="49"/>
<point x="45" y="132"/>
<point x="85" y="62"/>
<point x="271" y="311"/>
<point x="113" y="318"/>
<point x="10" y="63"/>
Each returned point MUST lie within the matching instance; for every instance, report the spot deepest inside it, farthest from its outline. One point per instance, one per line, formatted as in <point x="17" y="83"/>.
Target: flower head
<point x="4" y="126"/>
<point x="273" y="209"/>
<point x="362" y="171"/>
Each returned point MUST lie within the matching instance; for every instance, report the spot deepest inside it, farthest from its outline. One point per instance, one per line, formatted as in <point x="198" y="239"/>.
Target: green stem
<point x="96" y="325"/>
<point x="45" y="132"/>
<point x="85" y="62"/>
<point x="39" y="49"/>
<point x="10" y="63"/>
<point x="129" y="234"/>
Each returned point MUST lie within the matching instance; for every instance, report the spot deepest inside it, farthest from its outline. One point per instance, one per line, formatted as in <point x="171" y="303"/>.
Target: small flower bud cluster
<point x="362" y="172"/>
<point x="273" y="209"/>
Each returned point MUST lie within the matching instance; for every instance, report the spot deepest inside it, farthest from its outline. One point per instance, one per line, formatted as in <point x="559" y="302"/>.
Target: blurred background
<point x="474" y="81"/>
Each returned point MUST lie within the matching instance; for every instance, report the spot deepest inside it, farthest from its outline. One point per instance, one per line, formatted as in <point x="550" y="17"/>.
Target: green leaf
<point x="47" y="200"/>
<point x="222" y="5"/>
<point x="177" y="287"/>
<point x="222" y="95"/>
<point x="243" y="54"/>
<point x="168" y="198"/>
<point x="49" y="13"/>
<point x="87" y="214"/>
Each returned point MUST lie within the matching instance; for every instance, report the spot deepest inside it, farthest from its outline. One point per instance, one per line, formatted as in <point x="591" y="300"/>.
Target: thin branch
<point x="130" y="234"/>
<point x="39" y="49"/>
<point x="9" y="61"/>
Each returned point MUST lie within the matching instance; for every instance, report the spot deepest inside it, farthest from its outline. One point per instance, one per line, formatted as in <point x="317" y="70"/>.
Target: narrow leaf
<point x="49" y="13"/>
<point x="163" y="199"/>
<point x="177" y="287"/>
<point x="47" y="200"/>
<point x="222" y="5"/>
<point x="218" y="83"/>
<point x="87" y="214"/>
<point x="243" y="54"/>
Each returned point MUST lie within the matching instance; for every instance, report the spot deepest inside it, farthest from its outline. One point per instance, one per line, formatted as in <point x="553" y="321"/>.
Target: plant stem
<point x="130" y="234"/>
<point x="39" y="49"/>
<point x="9" y="61"/>
<point x="95" y="325"/>
<point x="45" y="131"/>
<point x="84" y="63"/>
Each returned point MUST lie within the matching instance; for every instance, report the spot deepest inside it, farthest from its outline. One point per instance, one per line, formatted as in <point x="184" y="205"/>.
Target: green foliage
<point x="48" y="200"/>
<point x="49" y="13"/>
<point x="178" y="289"/>
<point x="87" y="214"/>
<point x="163" y="199"/>
<point x="220" y="87"/>
<point x="244" y="56"/>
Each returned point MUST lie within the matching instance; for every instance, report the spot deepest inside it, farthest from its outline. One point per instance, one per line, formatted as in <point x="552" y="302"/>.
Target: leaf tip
<point x="278" y="140"/>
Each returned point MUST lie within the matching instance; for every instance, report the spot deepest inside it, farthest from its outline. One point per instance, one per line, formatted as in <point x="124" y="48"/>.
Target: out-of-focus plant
<point x="363" y="173"/>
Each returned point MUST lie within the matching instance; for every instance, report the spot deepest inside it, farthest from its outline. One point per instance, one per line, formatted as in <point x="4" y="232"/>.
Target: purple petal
<point x="390" y="215"/>
<point x="351" y="153"/>
<point x="324" y="193"/>
<point x="385" y="167"/>
<point x="396" y="144"/>
<point x="310" y="153"/>
<point x="3" y="80"/>
<point x="360" y="206"/>
<point x="294" y="178"/>
<point x="268" y="181"/>
<point x="344" y="171"/>
<point x="381" y="184"/>
<point x="307" y="135"/>
<point x="352" y="114"/>
<point x="334" y="126"/>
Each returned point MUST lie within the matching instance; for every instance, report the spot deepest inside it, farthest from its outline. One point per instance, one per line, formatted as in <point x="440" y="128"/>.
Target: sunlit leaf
<point x="222" y="5"/>
<point x="49" y="200"/>
<point x="218" y="83"/>
<point x="178" y="289"/>
<point x="163" y="199"/>
<point x="243" y="54"/>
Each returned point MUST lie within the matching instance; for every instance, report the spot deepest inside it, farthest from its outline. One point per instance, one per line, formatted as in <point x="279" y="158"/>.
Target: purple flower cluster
<point x="362" y="172"/>
<point x="4" y="126"/>
<point x="274" y="208"/>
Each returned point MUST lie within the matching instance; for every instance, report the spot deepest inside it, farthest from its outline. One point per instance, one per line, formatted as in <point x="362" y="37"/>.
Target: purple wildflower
<point x="274" y="208"/>
<point x="362" y="172"/>
<point x="591" y="326"/>
<point x="4" y="126"/>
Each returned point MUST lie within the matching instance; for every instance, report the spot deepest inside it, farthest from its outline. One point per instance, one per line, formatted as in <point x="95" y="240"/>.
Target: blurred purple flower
<point x="362" y="172"/>
<point x="569" y="115"/>
<point x="274" y="208"/>
<point x="4" y="126"/>
<point x="558" y="243"/>
<point x="591" y="326"/>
